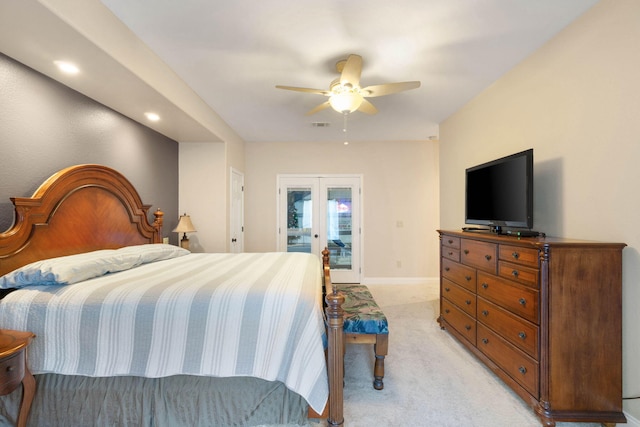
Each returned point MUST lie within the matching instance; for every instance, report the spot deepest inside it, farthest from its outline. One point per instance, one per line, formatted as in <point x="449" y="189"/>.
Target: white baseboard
<point x="399" y="280"/>
<point x="631" y="421"/>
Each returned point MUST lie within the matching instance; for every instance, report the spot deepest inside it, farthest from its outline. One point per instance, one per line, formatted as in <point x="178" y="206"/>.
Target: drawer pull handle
<point x="485" y="341"/>
<point x="485" y="312"/>
<point x="488" y="257"/>
<point x="468" y="302"/>
<point x="447" y="269"/>
<point x="515" y="273"/>
<point x="467" y="327"/>
<point x="450" y="253"/>
<point x="446" y="289"/>
<point x="446" y="310"/>
<point x="10" y="368"/>
<point x="516" y="255"/>
<point x="522" y="370"/>
<point x="522" y="301"/>
<point x="484" y="285"/>
<point x="450" y="241"/>
<point x="466" y="251"/>
<point x="522" y="335"/>
<point x="468" y="278"/>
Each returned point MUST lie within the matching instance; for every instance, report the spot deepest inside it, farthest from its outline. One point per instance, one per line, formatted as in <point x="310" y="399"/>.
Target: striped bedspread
<point x="223" y="315"/>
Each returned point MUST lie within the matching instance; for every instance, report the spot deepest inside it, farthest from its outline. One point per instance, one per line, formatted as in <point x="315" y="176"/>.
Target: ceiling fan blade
<point x="305" y="89"/>
<point x="351" y="71"/>
<point x="367" y="107"/>
<point x="318" y="108"/>
<point x="388" y="88"/>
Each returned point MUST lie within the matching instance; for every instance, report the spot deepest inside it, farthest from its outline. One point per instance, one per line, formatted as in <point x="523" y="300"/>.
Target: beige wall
<point x="202" y="189"/>
<point x="205" y="183"/>
<point x="576" y="101"/>
<point x="400" y="183"/>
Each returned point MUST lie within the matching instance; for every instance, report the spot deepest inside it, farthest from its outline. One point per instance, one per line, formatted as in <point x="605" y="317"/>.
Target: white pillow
<point x="153" y="252"/>
<point x="76" y="268"/>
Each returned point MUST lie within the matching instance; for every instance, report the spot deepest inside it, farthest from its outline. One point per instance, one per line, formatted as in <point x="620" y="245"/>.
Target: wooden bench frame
<point x="380" y="348"/>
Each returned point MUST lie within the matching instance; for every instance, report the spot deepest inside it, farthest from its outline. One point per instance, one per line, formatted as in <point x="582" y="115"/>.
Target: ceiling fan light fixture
<point x="346" y="102"/>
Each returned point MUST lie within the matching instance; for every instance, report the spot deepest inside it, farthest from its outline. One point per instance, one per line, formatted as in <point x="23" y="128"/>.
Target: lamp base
<point x="184" y="243"/>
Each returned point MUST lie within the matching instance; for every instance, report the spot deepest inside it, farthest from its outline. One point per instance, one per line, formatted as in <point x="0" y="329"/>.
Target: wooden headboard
<point x="78" y="209"/>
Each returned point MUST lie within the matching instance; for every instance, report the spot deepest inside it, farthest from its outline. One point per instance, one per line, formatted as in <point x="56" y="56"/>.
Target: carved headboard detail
<point x="78" y="209"/>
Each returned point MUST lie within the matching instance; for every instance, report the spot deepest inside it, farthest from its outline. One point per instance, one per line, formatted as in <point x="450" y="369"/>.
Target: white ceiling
<point x="212" y="65"/>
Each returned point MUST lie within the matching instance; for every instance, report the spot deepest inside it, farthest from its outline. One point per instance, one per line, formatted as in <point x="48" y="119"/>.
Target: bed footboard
<point x="335" y="351"/>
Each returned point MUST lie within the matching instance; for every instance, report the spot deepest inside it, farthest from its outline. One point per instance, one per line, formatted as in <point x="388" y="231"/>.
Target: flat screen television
<point x="499" y="193"/>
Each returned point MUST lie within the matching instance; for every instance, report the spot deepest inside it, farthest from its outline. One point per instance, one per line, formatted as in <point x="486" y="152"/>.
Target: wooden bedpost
<point x="157" y="223"/>
<point x="335" y="351"/>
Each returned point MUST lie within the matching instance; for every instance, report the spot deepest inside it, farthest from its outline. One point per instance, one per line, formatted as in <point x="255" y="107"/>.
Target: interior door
<point x="319" y="212"/>
<point x="236" y="219"/>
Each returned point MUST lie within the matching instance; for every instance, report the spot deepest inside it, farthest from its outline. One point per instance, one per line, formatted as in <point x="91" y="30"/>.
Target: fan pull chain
<point x="344" y="128"/>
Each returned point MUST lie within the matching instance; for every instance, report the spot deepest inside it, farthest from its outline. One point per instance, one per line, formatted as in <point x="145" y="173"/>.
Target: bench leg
<point x="380" y="349"/>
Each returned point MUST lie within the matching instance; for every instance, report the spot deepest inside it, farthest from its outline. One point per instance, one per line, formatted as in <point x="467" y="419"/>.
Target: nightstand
<point x="14" y="369"/>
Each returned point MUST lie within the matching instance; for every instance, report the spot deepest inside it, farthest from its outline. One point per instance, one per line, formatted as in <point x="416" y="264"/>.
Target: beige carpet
<point x="430" y="379"/>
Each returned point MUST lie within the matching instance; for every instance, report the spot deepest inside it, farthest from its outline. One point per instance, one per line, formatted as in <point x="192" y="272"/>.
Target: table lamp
<point x="184" y="226"/>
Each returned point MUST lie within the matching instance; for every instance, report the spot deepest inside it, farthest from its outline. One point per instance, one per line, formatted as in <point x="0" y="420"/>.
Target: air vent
<point x="320" y="124"/>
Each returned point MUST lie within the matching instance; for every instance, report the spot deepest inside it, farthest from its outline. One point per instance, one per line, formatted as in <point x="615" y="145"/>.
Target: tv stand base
<point x="524" y="233"/>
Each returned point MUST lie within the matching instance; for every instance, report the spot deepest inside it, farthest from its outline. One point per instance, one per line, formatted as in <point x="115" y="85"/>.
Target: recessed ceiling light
<point x="67" y="67"/>
<point x="152" y="116"/>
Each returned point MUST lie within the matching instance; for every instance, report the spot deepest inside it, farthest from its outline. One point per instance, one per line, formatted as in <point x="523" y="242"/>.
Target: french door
<point x="315" y="212"/>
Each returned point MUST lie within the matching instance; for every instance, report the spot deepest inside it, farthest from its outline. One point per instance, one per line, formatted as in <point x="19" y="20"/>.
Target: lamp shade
<point x="346" y="102"/>
<point x="185" y="225"/>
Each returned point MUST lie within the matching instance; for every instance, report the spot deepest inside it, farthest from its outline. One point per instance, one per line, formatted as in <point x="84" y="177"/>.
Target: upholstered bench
<point x="365" y="323"/>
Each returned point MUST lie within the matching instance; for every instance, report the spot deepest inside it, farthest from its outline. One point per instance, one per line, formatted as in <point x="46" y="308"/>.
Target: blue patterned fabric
<point x="362" y="313"/>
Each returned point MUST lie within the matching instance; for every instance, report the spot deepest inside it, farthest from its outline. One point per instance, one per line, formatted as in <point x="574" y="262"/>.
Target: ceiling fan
<point x="346" y="95"/>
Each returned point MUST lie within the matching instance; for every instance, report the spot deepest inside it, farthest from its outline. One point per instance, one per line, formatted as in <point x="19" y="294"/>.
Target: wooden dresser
<point x="544" y="314"/>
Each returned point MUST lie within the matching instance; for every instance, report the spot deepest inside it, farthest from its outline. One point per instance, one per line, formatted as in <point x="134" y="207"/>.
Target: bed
<point x="130" y="331"/>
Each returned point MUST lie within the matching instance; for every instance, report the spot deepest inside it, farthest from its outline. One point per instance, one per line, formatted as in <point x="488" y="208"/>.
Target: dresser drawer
<point x="459" y="320"/>
<point x="517" y="331"/>
<point x="524" y="256"/>
<point x="460" y="274"/>
<point x="451" y="253"/>
<point x="451" y="242"/>
<point x="482" y="255"/>
<point x="516" y="298"/>
<point x="521" y="274"/>
<point x="515" y="363"/>
<point x="459" y="296"/>
<point x="11" y="372"/>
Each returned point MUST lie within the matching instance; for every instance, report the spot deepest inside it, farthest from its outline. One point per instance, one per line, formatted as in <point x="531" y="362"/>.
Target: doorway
<point x="315" y="212"/>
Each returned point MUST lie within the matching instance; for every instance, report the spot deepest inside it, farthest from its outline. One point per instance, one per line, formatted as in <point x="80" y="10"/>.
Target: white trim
<point x="399" y="280"/>
<point x="631" y="421"/>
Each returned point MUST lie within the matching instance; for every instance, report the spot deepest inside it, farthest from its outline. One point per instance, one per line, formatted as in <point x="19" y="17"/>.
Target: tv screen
<point x="500" y="193"/>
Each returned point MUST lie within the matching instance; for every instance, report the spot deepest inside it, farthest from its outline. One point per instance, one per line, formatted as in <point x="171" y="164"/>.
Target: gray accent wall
<point x="46" y="126"/>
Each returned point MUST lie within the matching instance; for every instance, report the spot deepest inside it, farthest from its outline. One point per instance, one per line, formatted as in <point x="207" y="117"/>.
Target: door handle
<point x="315" y="235"/>
<point x="234" y="240"/>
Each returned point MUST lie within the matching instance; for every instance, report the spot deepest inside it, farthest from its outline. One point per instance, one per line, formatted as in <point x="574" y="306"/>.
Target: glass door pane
<point x="339" y="225"/>
<point x="299" y="219"/>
